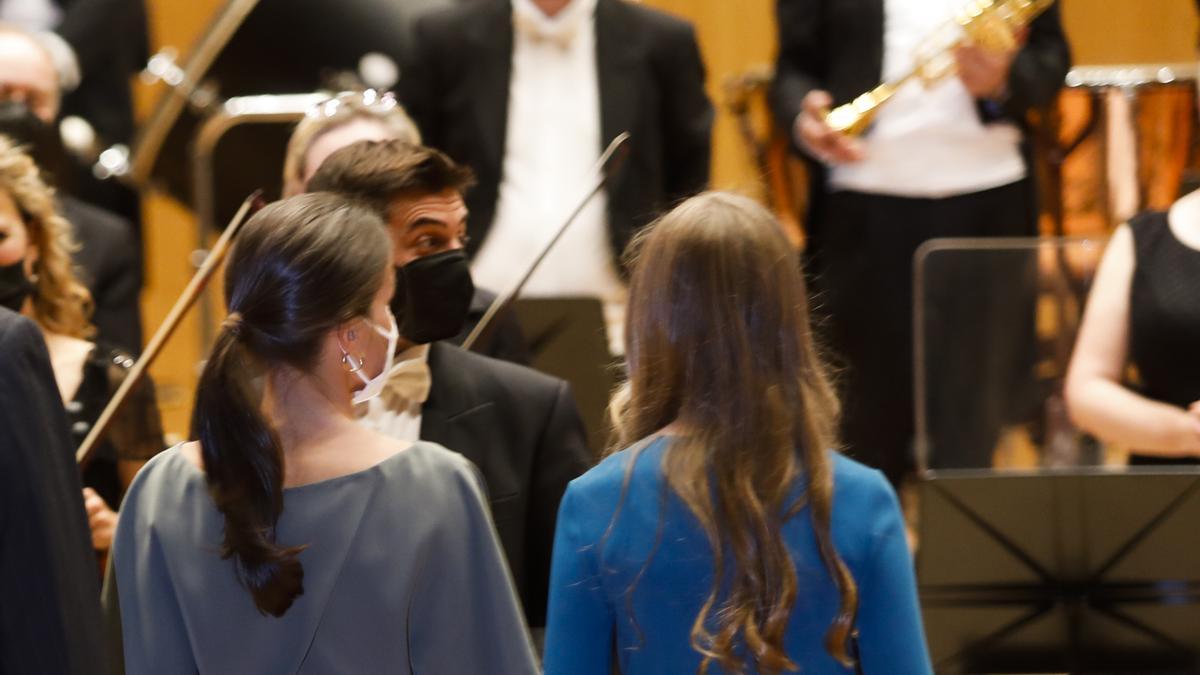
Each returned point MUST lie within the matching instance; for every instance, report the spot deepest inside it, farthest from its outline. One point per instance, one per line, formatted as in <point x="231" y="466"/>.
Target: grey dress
<point x="402" y="574"/>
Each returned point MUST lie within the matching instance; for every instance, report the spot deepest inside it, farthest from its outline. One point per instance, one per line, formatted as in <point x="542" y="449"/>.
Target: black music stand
<point x="1081" y="571"/>
<point x="567" y="339"/>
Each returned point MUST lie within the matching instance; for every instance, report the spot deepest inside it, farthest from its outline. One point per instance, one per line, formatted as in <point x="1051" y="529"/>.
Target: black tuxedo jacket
<point x="49" y="598"/>
<point x="651" y="84"/>
<point x="110" y="258"/>
<point x="522" y="430"/>
<point x="111" y="42"/>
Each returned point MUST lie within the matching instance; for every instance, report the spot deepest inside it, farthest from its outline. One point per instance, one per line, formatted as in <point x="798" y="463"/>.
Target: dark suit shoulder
<point x="446" y="23"/>
<point x="96" y="228"/>
<point x="668" y="40"/>
<point x="72" y="207"/>
<point x="658" y="21"/>
<point x="22" y="355"/>
<point x="16" y="331"/>
<point x="492" y="373"/>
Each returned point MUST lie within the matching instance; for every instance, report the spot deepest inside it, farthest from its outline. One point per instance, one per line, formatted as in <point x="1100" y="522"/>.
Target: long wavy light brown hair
<point x="720" y="350"/>
<point x="61" y="303"/>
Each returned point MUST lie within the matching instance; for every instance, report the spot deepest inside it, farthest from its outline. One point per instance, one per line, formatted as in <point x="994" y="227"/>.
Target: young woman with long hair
<point x="727" y="535"/>
<point x="288" y="538"/>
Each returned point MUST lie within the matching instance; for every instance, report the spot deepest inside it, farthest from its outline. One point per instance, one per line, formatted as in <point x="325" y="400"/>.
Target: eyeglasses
<point x="368" y="99"/>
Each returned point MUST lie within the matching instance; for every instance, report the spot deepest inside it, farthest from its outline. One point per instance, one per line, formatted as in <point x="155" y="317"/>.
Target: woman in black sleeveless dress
<point x="1135" y="375"/>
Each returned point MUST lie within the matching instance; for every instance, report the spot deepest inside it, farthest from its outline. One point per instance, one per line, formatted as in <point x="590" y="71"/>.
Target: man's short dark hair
<point x="377" y="172"/>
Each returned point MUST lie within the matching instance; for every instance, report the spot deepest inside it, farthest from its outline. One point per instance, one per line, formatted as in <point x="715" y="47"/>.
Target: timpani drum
<point x="1125" y="137"/>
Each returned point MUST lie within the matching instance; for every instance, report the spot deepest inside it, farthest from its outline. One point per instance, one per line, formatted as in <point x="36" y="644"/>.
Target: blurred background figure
<point x="528" y="94"/>
<point x="949" y="160"/>
<point x="50" y="615"/>
<point x="109" y="254"/>
<point x="340" y="121"/>
<point x="1135" y="374"/>
<point x="723" y="531"/>
<point x="36" y="279"/>
<point x="96" y="46"/>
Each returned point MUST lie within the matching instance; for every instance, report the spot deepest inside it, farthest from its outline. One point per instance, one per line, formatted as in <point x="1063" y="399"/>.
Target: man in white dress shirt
<point x="528" y="93"/>
<point x="949" y="160"/>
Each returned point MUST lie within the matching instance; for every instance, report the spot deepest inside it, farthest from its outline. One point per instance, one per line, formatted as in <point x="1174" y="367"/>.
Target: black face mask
<point x="14" y="286"/>
<point x="433" y="295"/>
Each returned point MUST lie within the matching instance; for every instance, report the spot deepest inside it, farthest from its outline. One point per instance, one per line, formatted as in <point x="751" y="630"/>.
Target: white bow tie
<point x="529" y="21"/>
<point x="408" y="383"/>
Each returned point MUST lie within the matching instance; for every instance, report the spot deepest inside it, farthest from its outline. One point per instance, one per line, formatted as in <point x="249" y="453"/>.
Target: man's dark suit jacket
<point x="522" y="429"/>
<point x="502" y="340"/>
<point x="49" y="598"/>
<point x="110" y="258"/>
<point x="837" y="45"/>
<point x="651" y="84"/>
<point x="112" y="44"/>
<point x="111" y="41"/>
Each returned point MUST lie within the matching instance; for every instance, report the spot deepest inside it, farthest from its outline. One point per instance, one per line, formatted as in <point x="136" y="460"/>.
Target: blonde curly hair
<point x="61" y="303"/>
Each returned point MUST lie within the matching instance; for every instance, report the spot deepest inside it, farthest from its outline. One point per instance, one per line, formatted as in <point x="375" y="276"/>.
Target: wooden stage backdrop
<point x="735" y="36"/>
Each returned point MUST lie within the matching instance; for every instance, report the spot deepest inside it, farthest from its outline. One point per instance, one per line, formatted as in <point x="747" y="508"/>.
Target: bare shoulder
<point x="1184" y="219"/>
<point x="1119" y="255"/>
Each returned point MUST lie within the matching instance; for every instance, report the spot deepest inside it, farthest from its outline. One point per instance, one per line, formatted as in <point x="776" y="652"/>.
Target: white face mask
<point x="374" y="385"/>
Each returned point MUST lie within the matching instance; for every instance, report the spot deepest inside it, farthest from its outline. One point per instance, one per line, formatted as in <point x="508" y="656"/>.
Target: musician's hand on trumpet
<point x="816" y="137"/>
<point x="984" y="72"/>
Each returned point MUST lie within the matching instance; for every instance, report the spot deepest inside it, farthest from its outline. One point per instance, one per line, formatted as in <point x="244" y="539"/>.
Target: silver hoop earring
<point x="351" y="365"/>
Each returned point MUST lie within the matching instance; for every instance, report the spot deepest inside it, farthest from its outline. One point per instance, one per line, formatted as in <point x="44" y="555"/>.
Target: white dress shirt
<point x="928" y="142"/>
<point x="552" y="144"/>
<point x="397" y="411"/>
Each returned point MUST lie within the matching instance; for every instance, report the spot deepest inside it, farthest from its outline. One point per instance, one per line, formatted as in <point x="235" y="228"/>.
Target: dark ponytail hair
<point x="301" y="267"/>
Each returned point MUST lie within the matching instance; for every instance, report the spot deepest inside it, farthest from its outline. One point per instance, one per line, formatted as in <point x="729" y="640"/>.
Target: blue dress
<point x="593" y="615"/>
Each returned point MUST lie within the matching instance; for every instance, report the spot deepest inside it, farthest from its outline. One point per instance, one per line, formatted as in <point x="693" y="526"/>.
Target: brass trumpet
<point x="991" y="24"/>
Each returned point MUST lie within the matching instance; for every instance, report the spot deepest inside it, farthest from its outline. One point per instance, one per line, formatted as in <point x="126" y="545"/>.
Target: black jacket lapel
<point x="616" y="51"/>
<point x="450" y="413"/>
<point x="492" y="36"/>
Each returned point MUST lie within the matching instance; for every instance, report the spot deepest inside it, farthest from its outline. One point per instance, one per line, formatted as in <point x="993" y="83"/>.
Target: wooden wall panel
<point x="734" y="36"/>
<point x="1131" y="31"/>
<point x="170" y="232"/>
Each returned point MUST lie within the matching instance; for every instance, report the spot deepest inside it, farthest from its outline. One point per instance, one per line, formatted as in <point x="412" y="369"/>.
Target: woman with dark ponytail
<point x="727" y="536"/>
<point x="288" y="538"/>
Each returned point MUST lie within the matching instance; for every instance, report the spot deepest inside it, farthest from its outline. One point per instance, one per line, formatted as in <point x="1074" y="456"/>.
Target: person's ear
<point x="348" y="336"/>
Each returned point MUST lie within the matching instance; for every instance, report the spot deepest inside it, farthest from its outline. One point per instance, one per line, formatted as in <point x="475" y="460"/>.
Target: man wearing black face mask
<point x="520" y="427"/>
